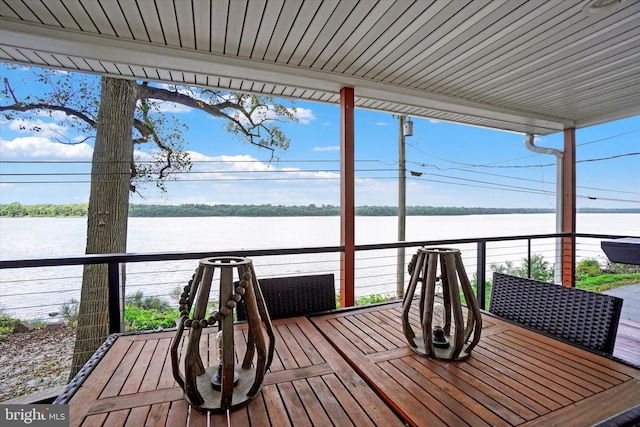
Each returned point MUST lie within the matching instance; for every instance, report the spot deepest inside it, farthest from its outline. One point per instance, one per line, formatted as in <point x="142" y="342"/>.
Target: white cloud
<point x="142" y="156"/>
<point x="383" y="124"/>
<point x="327" y="148"/>
<point x="58" y="116"/>
<point x="171" y="107"/>
<point x="44" y="129"/>
<point x="232" y="167"/>
<point x="304" y="115"/>
<point x="41" y="147"/>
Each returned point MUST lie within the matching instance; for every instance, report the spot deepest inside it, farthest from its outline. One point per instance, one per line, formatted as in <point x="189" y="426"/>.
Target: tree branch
<point x="66" y="110"/>
<point x="150" y="92"/>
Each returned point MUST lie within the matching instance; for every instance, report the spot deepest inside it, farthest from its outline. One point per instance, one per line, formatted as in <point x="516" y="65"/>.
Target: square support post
<point x="115" y="311"/>
<point x="569" y="208"/>
<point x="481" y="281"/>
<point x="347" y="198"/>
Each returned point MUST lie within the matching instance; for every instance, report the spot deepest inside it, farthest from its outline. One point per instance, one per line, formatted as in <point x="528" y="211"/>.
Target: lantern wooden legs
<point x="444" y="335"/>
<point x="239" y="383"/>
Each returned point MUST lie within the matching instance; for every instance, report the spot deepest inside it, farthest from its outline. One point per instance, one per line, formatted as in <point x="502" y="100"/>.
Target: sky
<point x="447" y="164"/>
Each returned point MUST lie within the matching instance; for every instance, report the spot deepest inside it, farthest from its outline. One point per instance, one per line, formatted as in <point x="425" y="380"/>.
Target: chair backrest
<point x="295" y="296"/>
<point x="582" y="318"/>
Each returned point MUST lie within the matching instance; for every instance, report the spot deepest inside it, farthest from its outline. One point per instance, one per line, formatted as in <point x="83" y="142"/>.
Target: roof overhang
<point x="544" y="84"/>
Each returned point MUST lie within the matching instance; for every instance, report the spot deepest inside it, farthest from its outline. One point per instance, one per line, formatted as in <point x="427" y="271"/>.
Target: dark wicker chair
<point x="628" y="418"/>
<point x="295" y="296"/>
<point x="585" y="319"/>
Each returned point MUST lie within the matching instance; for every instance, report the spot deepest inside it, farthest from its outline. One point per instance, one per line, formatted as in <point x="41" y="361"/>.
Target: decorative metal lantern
<point x="444" y="333"/>
<point x="226" y="385"/>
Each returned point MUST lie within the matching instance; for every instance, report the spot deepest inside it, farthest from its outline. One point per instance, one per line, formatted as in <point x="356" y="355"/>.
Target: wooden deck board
<point x="628" y="342"/>
<point x="513" y="377"/>
<point x="313" y="385"/>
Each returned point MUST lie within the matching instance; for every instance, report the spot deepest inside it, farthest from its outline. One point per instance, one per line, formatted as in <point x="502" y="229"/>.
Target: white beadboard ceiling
<point x="524" y="66"/>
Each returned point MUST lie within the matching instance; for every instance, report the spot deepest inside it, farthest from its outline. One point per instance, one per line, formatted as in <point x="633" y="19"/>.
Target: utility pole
<point x="405" y="128"/>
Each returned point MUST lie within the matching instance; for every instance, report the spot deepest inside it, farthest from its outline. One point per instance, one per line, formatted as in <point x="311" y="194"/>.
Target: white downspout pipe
<point x="529" y="143"/>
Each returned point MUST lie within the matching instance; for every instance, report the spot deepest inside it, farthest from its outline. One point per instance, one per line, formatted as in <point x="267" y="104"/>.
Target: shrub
<point x="36" y="323"/>
<point x="588" y="268"/>
<point x="613" y="268"/>
<point x="374" y="299"/>
<point x="69" y="312"/>
<point x="540" y="268"/>
<point x="150" y="303"/>
<point x="139" y="319"/>
<point x="7" y="323"/>
<point x="143" y="313"/>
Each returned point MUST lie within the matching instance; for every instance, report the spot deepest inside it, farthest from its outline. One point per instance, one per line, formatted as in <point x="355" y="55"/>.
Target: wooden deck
<point x="353" y="367"/>
<point x="628" y="342"/>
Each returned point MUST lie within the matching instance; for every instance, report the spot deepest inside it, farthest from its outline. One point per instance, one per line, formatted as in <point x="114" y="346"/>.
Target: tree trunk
<point x="108" y="211"/>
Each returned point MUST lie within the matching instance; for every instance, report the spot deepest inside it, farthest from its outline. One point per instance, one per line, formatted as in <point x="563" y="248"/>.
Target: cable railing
<point x="37" y="288"/>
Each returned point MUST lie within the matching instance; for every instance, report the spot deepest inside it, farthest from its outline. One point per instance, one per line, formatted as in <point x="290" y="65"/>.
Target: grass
<point x="605" y="282"/>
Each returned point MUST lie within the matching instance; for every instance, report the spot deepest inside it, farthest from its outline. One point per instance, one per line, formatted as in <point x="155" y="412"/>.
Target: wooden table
<point x="354" y="367"/>
<point x="309" y="383"/>
<point x="513" y="377"/>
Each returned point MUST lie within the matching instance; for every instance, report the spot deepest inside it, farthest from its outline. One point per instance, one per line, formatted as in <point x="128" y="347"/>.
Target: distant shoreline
<point x="16" y="210"/>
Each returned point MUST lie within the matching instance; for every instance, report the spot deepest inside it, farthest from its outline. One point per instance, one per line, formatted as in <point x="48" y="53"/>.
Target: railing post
<point x="529" y="258"/>
<point x="481" y="273"/>
<point x="114" y="298"/>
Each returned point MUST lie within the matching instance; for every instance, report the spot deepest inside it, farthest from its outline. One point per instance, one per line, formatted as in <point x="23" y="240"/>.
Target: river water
<point x="36" y="292"/>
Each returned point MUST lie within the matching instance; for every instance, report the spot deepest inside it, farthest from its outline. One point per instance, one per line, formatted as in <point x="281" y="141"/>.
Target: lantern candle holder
<point x="444" y="334"/>
<point x="224" y="385"/>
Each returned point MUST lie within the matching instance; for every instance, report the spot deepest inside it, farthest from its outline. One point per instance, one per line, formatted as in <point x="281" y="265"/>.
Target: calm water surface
<point x="36" y="292"/>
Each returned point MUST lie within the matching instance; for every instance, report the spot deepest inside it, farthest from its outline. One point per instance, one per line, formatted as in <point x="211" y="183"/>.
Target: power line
<point x="471" y="165"/>
<point x="537" y="181"/>
<point x="608" y="138"/>
<point x="193" y="172"/>
<point x="520" y="189"/>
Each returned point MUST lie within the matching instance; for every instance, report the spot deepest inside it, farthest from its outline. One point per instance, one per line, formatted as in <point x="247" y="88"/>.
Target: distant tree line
<point x="232" y="210"/>
<point x="16" y="209"/>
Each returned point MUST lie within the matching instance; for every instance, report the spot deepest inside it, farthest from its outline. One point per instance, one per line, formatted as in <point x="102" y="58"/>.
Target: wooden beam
<point x="569" y="207"/>
<point x="347" y="198"/>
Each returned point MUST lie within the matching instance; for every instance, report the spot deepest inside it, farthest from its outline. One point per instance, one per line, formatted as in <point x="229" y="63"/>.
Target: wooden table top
<point x="354" y="367"/>
<point x="309" y="383"/>
<point x="513" y="377"/>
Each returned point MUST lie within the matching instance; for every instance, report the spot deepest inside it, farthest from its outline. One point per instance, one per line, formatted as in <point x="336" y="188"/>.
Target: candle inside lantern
<point x="216" y="380"/>
<point x="439" y="339"/>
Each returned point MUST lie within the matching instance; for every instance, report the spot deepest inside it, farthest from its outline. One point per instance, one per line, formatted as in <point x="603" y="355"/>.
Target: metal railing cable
<point x="375" y="264"/>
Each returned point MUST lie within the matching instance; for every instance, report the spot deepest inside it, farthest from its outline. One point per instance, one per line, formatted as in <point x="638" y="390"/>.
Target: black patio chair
<point x="295" y="296"/>
<point x="585" y="319"/>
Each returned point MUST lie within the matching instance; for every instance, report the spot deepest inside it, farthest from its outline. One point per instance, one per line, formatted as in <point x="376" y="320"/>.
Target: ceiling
<point x="524" y="66"/>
